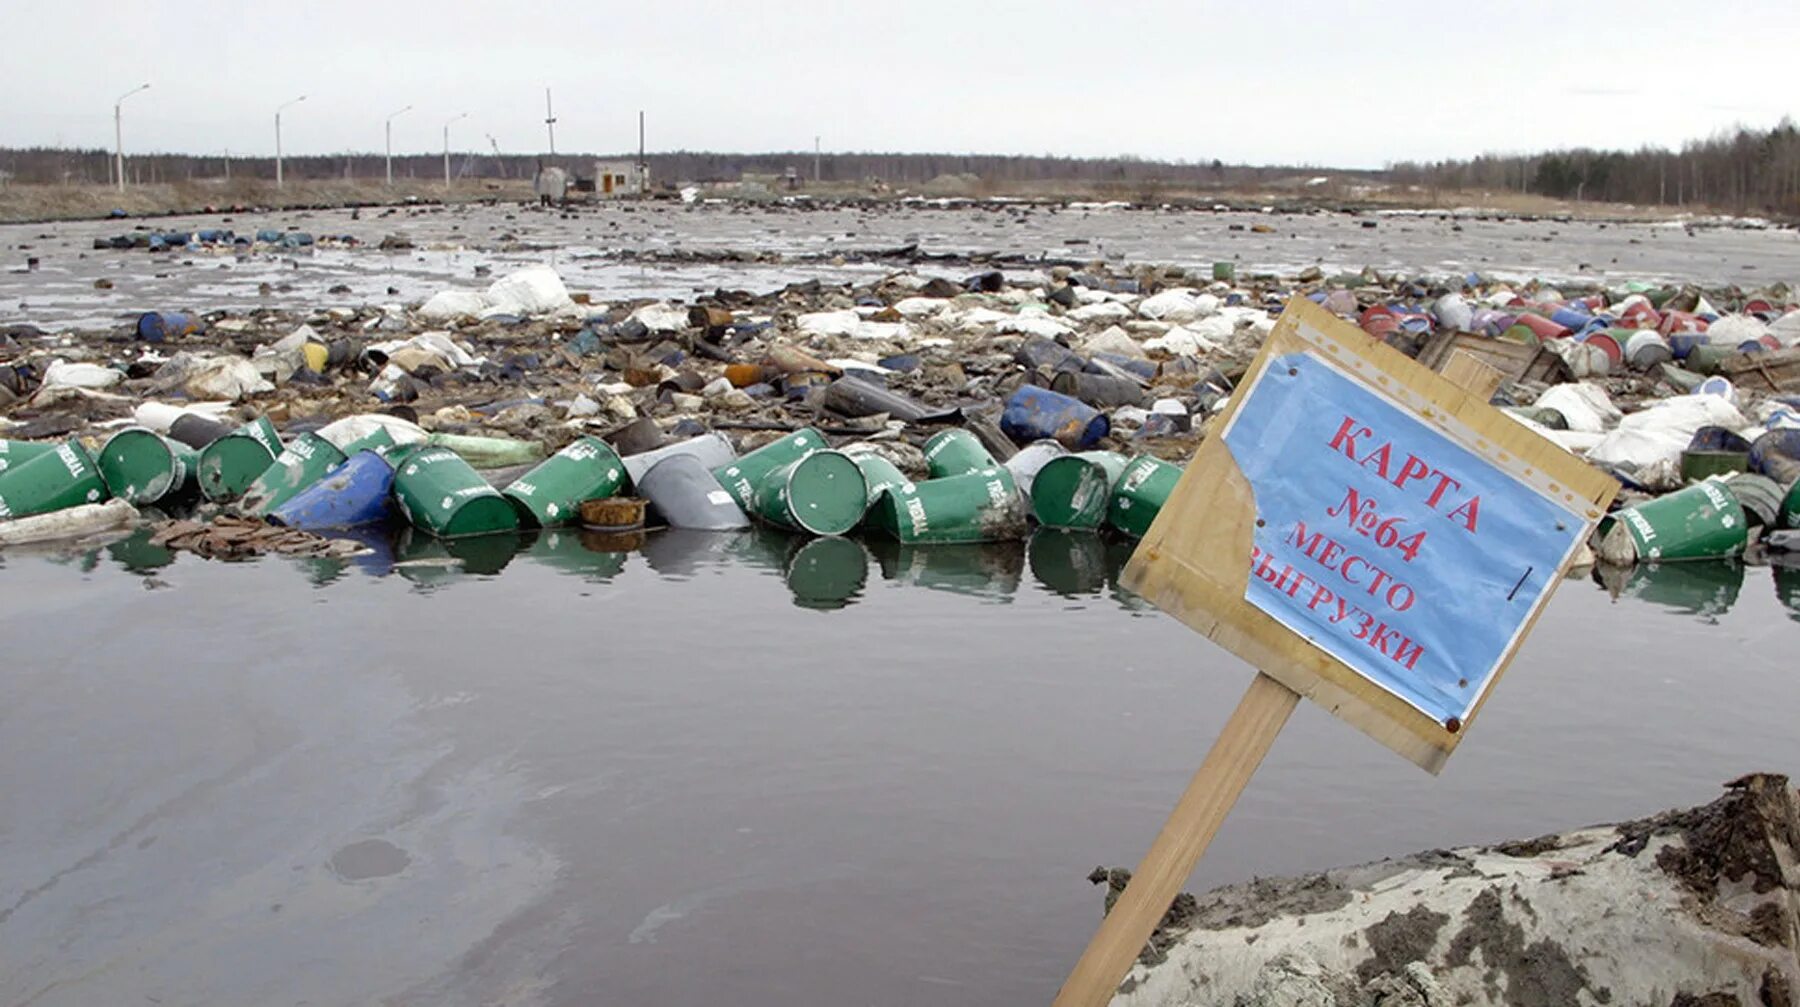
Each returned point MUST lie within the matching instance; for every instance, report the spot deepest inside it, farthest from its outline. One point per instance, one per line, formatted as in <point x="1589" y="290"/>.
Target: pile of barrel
<point x="355" y="473"/>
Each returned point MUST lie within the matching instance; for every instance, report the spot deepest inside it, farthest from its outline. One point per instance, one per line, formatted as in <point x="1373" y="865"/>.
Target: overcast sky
<point x="1293" y="81"/>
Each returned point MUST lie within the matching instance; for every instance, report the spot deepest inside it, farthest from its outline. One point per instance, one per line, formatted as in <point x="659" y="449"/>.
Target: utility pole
<point x="550" y="122"/>
<point x="465" y="115"/>
<point x="643" y="181"/>
<point x="389" y="125"/>
<point x="296" y="101"/>
<point x="816" y="175"/>
<point x="119" y="136"/>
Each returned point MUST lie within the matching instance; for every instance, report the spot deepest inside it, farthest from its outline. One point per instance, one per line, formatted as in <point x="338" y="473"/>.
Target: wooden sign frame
<point x="1195" y="564"/>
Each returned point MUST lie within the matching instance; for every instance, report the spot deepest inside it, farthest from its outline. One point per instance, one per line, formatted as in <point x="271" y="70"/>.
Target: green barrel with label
<point x="443" y="495"/>
<point x="1790" y="508"/>
<point x="982" y="506"/>
<point x="375" y="440"/>
<point x="954" y="452"/>
<point x="19" y="452"/>
<point x="741" y="476"/>
<point x="53" y="481"/>
<point x="142" y="466"/>
<point x="880" y="475"/>
<point x="305" y="460"/>
<point x="1073" y="491"/>
<point x="230" y="464"/>
<point x="1703" y="521"/>
<point x="1140" y="493"/>
<point x="551" y="494"/>
<point x="823" y="493"/>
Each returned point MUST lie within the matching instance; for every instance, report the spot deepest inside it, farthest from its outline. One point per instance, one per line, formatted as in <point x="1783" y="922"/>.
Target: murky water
<point x="584" y="245"/>
<point x="732" y="768"/>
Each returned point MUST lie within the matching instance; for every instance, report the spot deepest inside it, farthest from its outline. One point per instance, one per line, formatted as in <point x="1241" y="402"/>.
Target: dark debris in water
<point x="237" y="538"/>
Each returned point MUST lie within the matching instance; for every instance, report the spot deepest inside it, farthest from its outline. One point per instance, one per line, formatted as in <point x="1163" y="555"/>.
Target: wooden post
<point x="1253" y="726"/>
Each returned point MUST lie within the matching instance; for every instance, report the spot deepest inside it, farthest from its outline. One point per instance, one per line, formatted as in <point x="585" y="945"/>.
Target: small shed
<point x="613" y="179"/>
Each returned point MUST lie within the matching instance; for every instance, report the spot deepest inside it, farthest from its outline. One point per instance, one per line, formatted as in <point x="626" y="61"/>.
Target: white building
<point x="613" y="179"/>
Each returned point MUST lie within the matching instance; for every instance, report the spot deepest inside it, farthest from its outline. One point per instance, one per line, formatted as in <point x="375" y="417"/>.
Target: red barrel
<point x="1681" y="321"/>
<point x="1607" y="345"/>
<point x="1640" y="316"/>
<point x="1379" y="322"/>
<point x="1543" y="327"/>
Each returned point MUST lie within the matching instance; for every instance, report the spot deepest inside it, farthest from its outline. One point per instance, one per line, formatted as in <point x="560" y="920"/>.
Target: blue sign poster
<point x="1387" y="543"/>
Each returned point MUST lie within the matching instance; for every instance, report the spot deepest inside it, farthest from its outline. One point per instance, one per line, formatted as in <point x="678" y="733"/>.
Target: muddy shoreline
<point x="1714" y="919"/>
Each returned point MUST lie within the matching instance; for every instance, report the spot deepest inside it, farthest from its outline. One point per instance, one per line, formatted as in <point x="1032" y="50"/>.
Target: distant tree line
<point x="1745" y="170"/>
<point x="44" y="164"/>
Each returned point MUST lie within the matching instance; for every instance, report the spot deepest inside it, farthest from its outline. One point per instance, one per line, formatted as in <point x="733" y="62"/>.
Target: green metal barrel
<point x="823" y="493"/>
<point x="1140" y="493"/>
<point x="374" y="440"/>
<point x="954" y="452"/>
<point x="1790" y="508"/>
<point x="551" y="494"/>
<point x="230" y="464"/>
<point x="1703" y="521"/>
<point x="53" y="481"/>
<point x="880" y="474"/>
<point x="740" y="477"/>
<point x="444" y="496"/>
<point x="19" y="452"/>
<point x="1706" y="358"/>
<point x="1072" y="491"/>
<point x="305" y="460"/>
<point x="982" y="506"/>
<point x="143" y="467"/>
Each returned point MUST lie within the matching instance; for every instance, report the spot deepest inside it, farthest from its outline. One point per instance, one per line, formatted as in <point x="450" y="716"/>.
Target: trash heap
<point x="915" y="407"/>
<point x="266" y="239"/>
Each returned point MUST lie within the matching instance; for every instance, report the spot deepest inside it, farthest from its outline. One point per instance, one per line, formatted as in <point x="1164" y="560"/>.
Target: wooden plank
<point x="1468" y="372"/>
<point x="1190" y="828"/>
<point x="1193" y="562"/>
<point x="1778" y="371"/>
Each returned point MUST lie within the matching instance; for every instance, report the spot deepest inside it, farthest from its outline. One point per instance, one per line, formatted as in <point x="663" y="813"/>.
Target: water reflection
<point x="135" y="553"/>
<point x="986" y="570"/>
<point x="826" y="573"/>
<point x="1703" y="588"/>
<point x="433" y="562"/>
<point x="591" y="556"/>
<point x="1787" y="584"/>
<point x="1069" y="563"/>
<point x="822" y="574"/>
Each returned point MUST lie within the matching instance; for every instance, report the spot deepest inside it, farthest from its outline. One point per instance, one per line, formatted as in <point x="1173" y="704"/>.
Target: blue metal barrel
<point x="1035" y="413"/>
<point x="355" y="493"/>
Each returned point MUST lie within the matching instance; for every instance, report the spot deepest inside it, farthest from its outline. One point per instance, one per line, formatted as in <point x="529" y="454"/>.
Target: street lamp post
<point x="390" y="142"/>
<point x="278" y="179"/>
<point x="465" y="115"/>
<point x="119" y="136"/>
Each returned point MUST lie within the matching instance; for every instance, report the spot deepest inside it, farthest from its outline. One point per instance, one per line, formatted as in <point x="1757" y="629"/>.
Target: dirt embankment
<point x="30" y="203"/>
<point x="1691" y="907"/>
<point x="26" y="203"/>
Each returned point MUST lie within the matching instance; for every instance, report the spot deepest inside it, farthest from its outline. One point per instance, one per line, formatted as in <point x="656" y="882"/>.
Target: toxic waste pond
<point x="725" y="769"/>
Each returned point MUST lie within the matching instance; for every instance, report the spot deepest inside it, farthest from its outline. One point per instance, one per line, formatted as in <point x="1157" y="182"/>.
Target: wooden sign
<point x="1369" y="534"/>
